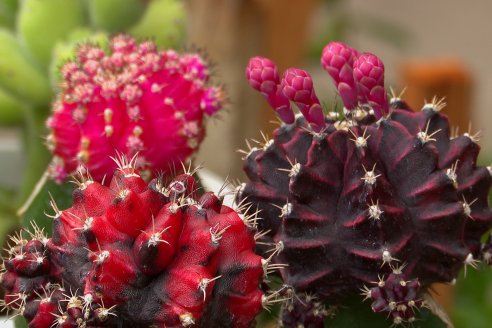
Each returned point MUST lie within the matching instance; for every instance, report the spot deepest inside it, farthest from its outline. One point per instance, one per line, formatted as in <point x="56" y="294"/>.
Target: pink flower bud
<point x="369" y="76"/>
<point x="262" y="75"/>
<point x="337" y="59"/>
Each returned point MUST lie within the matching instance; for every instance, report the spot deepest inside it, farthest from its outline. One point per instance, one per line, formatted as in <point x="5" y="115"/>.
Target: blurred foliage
<point x="473" y="303"/>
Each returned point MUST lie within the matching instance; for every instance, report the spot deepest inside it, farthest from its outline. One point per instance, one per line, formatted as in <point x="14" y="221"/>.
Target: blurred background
<point x="440" y="47"/>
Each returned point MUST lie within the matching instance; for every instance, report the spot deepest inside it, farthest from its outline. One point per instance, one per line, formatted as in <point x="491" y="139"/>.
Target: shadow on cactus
<point x="378" y="199"/>
<point x="133" y="254"/>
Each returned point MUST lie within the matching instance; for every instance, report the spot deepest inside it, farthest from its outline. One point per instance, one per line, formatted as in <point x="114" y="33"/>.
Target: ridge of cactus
<point x="138" y="254"/>
<point x="375" y="193"/>
<point x="131" y="99"/>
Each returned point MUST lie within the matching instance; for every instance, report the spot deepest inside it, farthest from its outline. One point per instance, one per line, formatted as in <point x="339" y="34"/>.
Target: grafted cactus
<point x="377" y="193"/>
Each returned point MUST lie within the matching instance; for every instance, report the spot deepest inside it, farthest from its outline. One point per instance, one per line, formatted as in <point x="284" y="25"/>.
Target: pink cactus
<point x="133" y="99"/>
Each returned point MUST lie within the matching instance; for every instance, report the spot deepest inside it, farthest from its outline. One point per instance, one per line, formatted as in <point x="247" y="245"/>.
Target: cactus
<point x="378" y="193"/>
<point x="28" y="57"/>
<point x="134" y="99"/>
<point x="36" y="36"/>
<point x="134" y="254"/>
<point x="67" y="50"/>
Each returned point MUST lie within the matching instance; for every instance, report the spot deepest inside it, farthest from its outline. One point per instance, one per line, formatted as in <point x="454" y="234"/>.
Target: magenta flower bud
<point x="262" y="75"/>
<point x="297" y="86"/>
<point x="337" y="59"/>
<point x="369" y="76"/>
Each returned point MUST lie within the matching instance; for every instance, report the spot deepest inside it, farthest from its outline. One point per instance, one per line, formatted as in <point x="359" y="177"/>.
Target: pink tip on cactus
<point x="297" y="86"/>
<point x="212" y="100"/>
<point x="369" y="76"/>
<point x="131" y="99"/>
<point x="262" y="75"/>
<point x="196" y="66"/>
<point x="337" y="59"/>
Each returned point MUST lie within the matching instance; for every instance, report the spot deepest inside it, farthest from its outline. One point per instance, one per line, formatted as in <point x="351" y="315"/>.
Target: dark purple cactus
<point x="348" y="199"/>
<point x="396" y="296"/>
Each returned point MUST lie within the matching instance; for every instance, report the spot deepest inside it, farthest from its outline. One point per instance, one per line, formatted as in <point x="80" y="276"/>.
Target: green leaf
<point x="357" y="314"/>
<point x="62" y="195"/>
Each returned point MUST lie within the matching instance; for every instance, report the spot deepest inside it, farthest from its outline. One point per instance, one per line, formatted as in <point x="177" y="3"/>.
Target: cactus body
<point x="137" y="255"/>
<point x="384" y="188"/>
<point x="134" y="99"/>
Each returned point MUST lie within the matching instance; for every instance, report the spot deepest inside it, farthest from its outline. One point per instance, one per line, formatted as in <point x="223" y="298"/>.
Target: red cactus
<point x="138" y="255"/>
<point x="132" y="99"/>
<point x="352" y="197"/>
